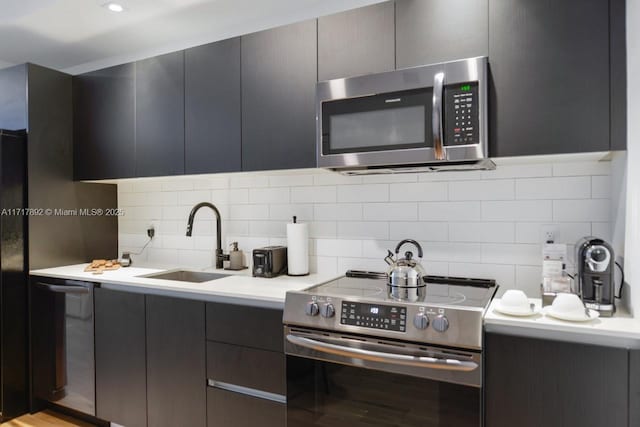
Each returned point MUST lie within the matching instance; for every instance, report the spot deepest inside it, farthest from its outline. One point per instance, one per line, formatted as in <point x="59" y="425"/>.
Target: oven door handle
<point x="378" y="356"/>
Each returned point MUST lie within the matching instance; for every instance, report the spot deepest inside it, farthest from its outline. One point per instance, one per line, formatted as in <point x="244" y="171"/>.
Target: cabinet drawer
<point x="246" y="367"/>
<point x="247" y="326"/>
<point x="226" y="408"/>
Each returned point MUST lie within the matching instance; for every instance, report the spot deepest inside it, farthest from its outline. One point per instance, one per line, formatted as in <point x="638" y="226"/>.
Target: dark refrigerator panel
<point x="13" y="277"/>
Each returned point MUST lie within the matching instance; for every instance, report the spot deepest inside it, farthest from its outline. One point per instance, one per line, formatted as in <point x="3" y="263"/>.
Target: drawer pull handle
<point x="247" y="391"/>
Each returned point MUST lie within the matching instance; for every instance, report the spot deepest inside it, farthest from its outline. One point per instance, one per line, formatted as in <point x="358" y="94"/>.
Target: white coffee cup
<point x="569" y="304"/>
<point x="515" y="300"/>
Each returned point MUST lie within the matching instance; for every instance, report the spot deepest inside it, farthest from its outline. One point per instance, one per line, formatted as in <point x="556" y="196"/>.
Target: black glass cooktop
<point x="451" y="291"/>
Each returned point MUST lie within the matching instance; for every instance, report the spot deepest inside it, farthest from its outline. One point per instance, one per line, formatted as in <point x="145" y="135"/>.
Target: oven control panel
<point x="461" y="119"/>
<point x="377" y="316"/>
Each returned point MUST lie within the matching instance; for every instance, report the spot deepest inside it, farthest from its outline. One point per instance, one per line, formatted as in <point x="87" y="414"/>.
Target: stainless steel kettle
<point x="405" y="277"/>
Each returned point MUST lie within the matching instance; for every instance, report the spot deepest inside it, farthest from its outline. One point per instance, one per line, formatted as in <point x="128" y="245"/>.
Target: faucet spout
<point x="220" y="257"/>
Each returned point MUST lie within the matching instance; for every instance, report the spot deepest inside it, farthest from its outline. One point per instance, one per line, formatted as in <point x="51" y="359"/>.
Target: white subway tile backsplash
<point x="601" y="187"/>
<point x="193" y="197"/>
<point x="478" y="223"/>
<point x="332" y="178"/>
<point x="581" y="210"/>
<point x="419" y="192"/>
<point x="338" y="247"/>
<point x="290" y="180"/>
<point x="178" y="185"/>
<point x="338" y="212"/>
<point x="601" y="230"/>
<point x="504" y="275"/>
<point x="267" y="228"/>
<point x="286" y="212"/>
<point x="449" y="211"/>
<point x="254" y="212"/>
<point x="319" y="229"/>
<point x="518" y="171"/>
<point x="565" y="232"/>
<point x="422" y="231"/>
<point x="554" y="188"/>
<point x="540" y="210"/>
<point x="581" y="168"/>
<point x="363" y="230"/>
<point x="528" y="279"/>
<point x="495" y="232"/>
<point x="482" y="190"/>
<point x="521" y="254"/>
<point x="390" y="211"/>
<point x="363" y="193"/>
<point x="317" y="194"/>
<point x="269" y="195"/>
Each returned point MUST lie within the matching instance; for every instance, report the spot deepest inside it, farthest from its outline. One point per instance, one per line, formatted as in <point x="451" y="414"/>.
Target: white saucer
<point x="548" y="311"/>
<point x="510" y="311"/>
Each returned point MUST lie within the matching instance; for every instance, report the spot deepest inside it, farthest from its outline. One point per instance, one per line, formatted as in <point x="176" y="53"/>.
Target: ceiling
<point x="76" y="36"/>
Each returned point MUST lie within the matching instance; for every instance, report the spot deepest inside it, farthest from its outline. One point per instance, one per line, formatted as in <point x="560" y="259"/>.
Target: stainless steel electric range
<point x="356" y="356"/>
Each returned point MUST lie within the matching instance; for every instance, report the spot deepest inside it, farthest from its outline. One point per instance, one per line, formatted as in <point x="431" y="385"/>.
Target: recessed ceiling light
<point x="114" y="7"/>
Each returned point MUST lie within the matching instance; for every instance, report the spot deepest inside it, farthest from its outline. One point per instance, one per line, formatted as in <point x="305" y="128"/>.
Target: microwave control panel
<point x="377" y="316"/>
<point x="461" y="115"/>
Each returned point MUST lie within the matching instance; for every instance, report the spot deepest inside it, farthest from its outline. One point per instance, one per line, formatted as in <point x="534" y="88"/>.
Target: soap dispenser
<point x="236" y="257"/>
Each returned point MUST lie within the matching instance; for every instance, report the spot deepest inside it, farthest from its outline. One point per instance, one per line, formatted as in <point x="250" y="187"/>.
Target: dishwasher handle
<point x="64" y="289"/>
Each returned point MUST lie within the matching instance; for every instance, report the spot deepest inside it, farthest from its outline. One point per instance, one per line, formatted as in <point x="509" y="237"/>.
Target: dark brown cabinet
<point x="159" y="115"/>
<point x="532" y="382"/>
<point x="103" y="119"/>
<point x="428" y="32"/>
<point x="212" y="108"/>
<point x="121" y="380"/>
<point x="634" y="388"/>
<point x="279" y="74"/>
<point x="176" y="365"/>
<point x="245" y="366"/>
<point x="549" y="64"/>
<point x="359" y="41"/>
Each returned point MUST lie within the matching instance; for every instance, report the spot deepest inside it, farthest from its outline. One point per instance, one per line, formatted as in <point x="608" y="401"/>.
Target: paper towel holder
<point x="297" y="266"/>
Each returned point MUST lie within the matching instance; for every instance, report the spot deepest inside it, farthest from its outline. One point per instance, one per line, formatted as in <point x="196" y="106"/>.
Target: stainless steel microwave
<point x="425" y="118"/>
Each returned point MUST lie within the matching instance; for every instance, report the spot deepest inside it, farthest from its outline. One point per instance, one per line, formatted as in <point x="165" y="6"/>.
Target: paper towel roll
<point x="298" y="249"/>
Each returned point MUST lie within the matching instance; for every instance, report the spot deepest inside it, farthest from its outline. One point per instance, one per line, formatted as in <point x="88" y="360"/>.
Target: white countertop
<point x="237" y="288"/>
<point x="621" y="330"/>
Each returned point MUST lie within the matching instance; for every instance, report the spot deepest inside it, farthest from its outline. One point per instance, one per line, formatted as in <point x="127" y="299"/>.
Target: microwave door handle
<point x="378" y="356"/>
<point x="438" y="146"/>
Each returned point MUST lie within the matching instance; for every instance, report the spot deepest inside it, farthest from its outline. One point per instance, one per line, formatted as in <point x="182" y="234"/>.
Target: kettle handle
<point x="413" y="242"/>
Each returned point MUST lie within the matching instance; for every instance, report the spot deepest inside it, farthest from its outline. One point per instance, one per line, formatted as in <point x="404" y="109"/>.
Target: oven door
<point x="347" y="380"/>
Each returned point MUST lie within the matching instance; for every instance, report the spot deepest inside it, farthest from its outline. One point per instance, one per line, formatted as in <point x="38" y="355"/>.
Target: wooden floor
<point x="45" y="419"/>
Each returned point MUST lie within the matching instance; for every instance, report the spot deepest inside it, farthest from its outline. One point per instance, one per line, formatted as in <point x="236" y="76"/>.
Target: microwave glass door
<point x="389" y="121"/>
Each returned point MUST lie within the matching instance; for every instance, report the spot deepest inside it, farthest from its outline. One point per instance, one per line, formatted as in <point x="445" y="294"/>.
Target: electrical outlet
<point x="151" y="231"/>
<point x="549" y="233"/>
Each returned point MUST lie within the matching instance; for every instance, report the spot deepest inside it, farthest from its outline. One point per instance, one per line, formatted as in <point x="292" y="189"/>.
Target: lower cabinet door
<point x="176" y="366"/>
<point x="231" y="409"/>
<point x="535" y="382"/>
<point x="121" y="381"/>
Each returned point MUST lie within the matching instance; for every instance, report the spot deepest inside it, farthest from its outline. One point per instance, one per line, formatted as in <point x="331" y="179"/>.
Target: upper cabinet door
<point x="549" y="64"/>
<point x="104" y="128"/>
<point x="212" y="108"/>
<point x="432" y="31"/>
<point x="160" y="115"/>
<point x="279" y="75"/>
<point x="359" y="41"/>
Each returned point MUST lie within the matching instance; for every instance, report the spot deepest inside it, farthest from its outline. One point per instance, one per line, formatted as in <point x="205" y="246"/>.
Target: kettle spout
<point x="389" y="258"/>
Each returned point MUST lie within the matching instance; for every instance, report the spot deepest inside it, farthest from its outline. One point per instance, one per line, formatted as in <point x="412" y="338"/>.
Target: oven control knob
<point x="421" y="321"/>
<point x="441" y="323"/>
<point x="311" y="309"/>
<point x="327" y="310"/>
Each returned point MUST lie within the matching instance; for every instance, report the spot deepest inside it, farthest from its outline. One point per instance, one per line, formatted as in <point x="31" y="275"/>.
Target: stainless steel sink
<point x="185" y="276"/>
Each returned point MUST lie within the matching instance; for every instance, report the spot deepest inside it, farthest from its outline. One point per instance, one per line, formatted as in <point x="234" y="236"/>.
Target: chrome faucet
<point x="220" y="257"/>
